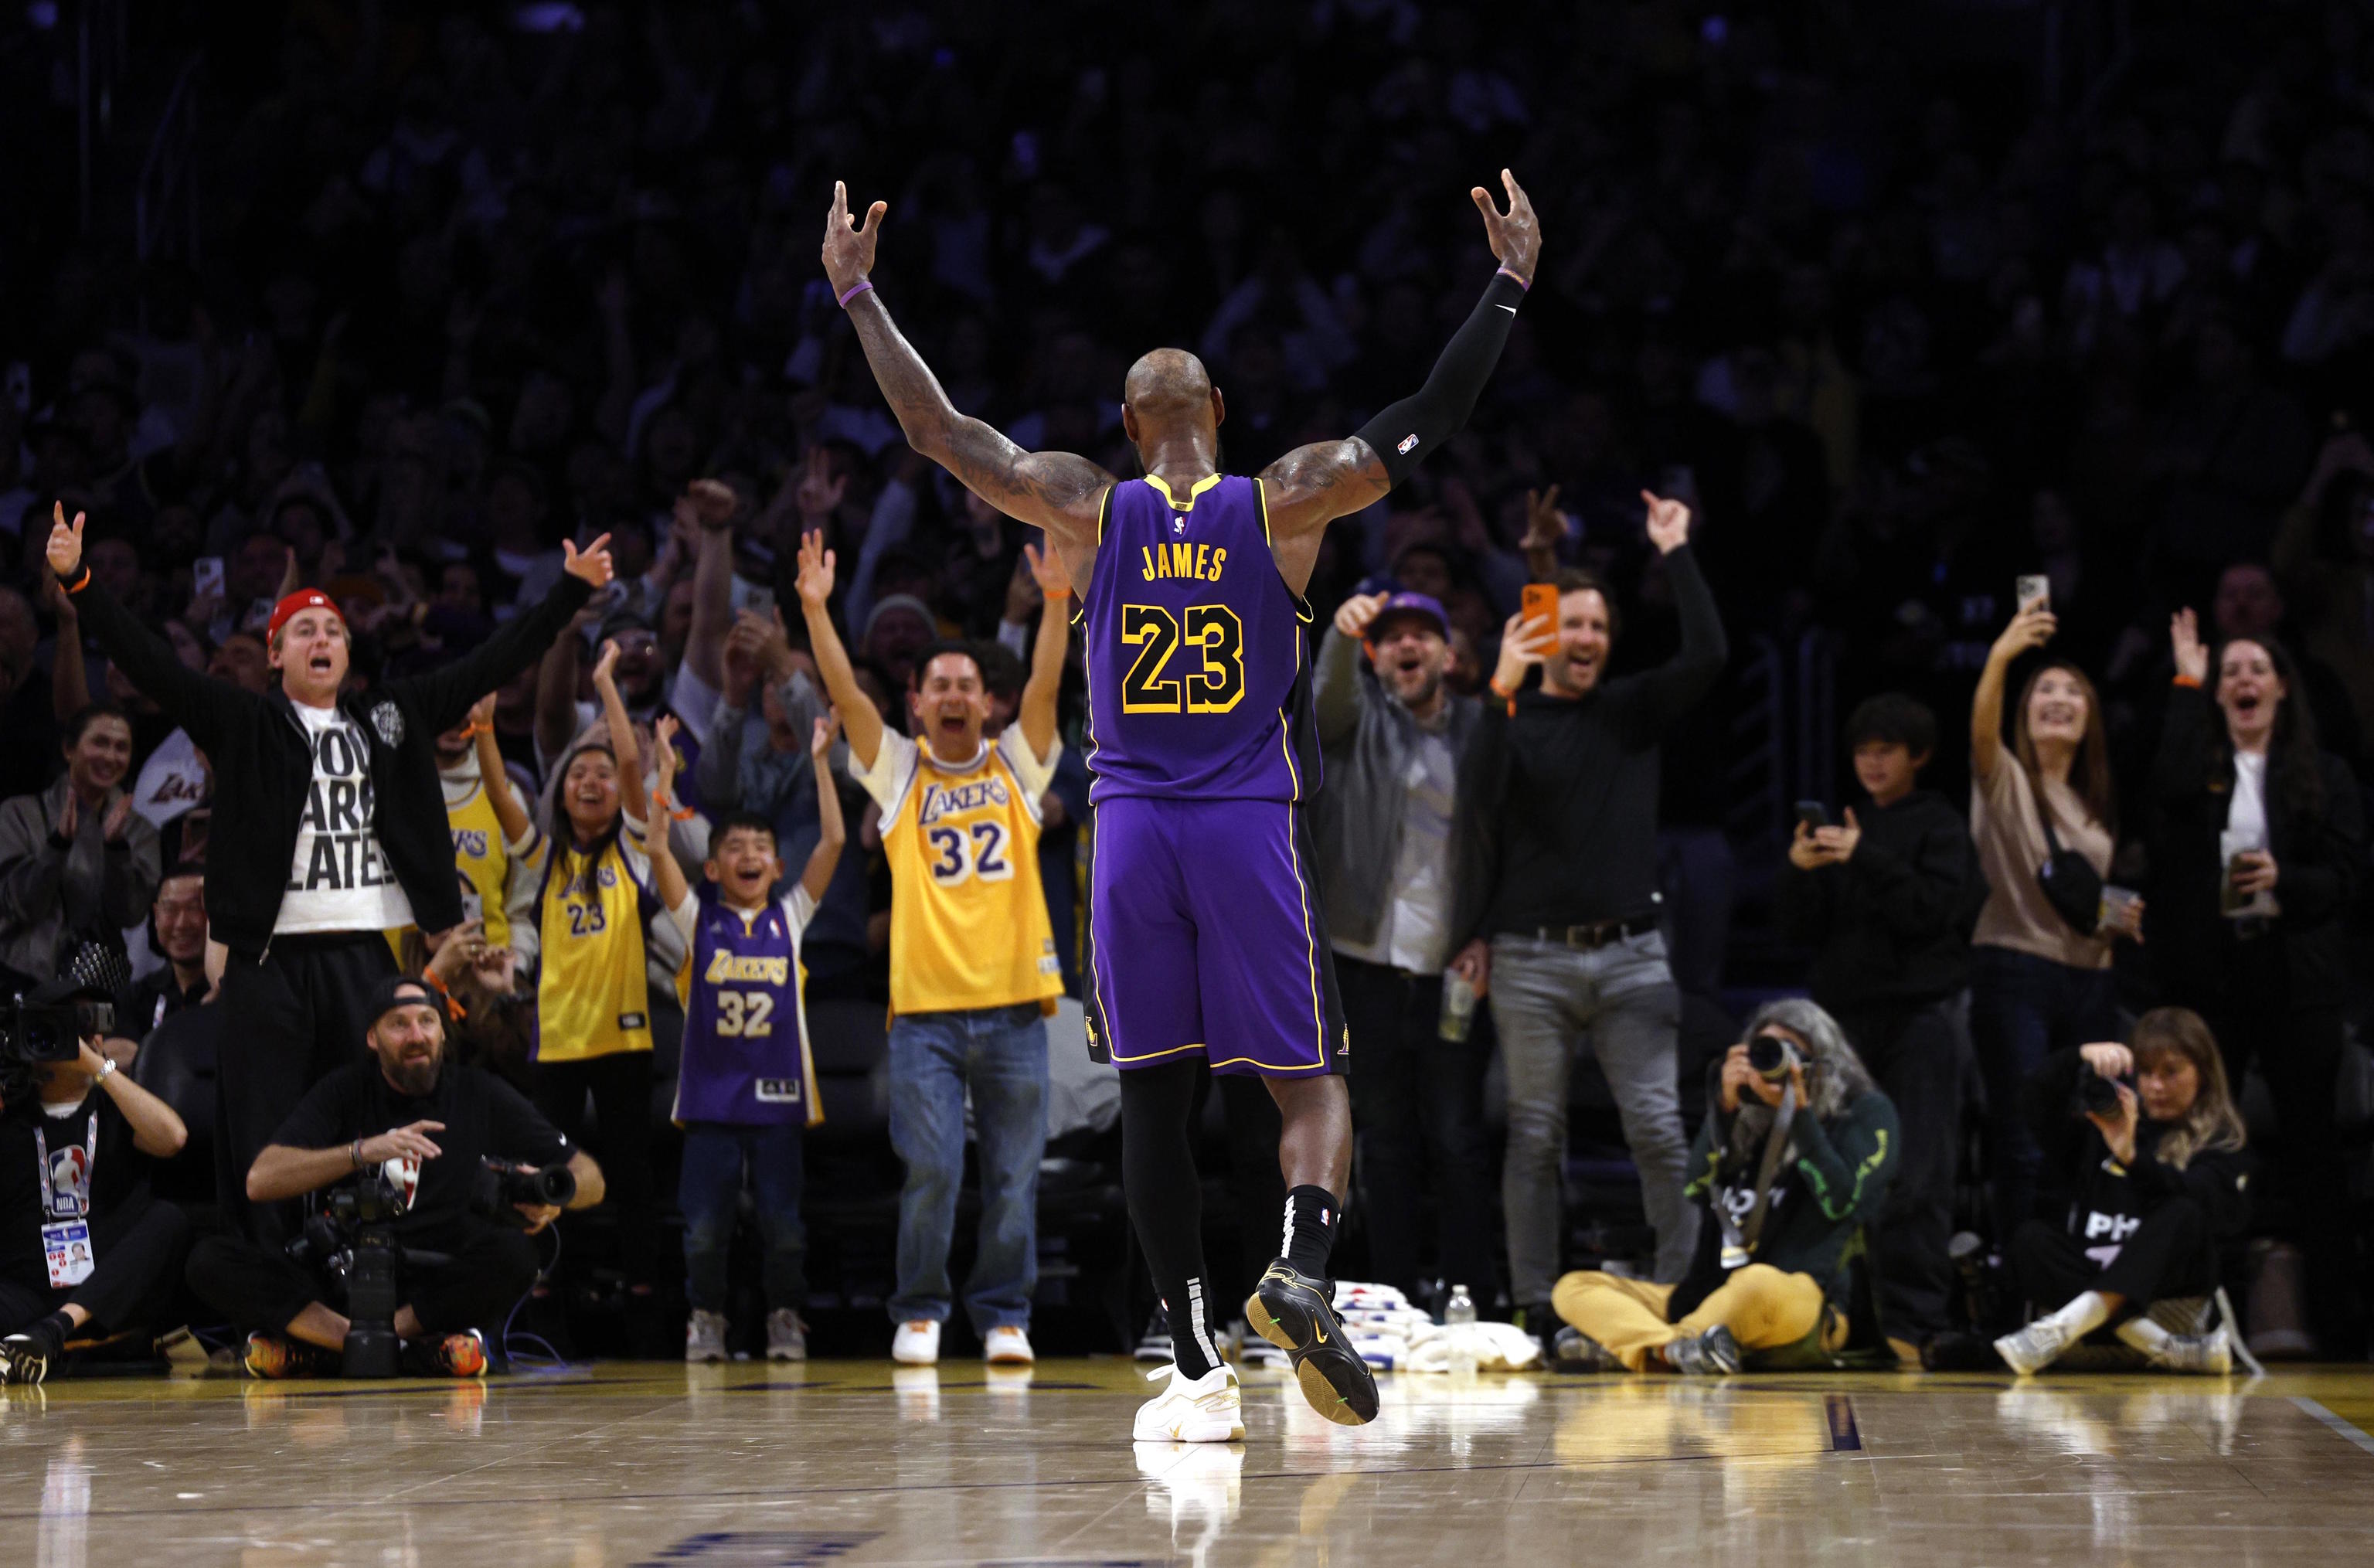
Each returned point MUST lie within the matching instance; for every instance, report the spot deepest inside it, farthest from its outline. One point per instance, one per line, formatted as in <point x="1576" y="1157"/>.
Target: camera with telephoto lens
<point x="503" y="1188"/>
<point x="351" y="1240"/>
<point x="2097" y="1095"/>
<point x="48" y="1023"/>
<point x="1772" y="1055"/>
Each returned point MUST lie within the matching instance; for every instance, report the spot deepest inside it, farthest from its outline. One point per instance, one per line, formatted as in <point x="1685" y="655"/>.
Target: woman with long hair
<point x="2258" y="850"/>
<point x="587" y="897"/>
<point x="2154" y="1161"/>
<point x="2045" y="819"/>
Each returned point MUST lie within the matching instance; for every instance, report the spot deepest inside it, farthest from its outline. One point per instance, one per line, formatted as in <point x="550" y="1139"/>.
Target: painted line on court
<point x="1845" y="1437"/>
<point x="2345" y="1427"/>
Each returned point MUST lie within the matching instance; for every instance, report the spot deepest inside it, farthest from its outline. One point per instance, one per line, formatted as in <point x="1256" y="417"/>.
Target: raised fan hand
<point x="1669" y="523"/>
<point x="816" y="570"/>
<point x="592" y="566"/>
<point x="65" y="542"/>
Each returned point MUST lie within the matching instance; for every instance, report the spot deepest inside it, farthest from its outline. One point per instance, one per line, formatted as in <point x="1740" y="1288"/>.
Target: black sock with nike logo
<point x="1312" y="1217"/>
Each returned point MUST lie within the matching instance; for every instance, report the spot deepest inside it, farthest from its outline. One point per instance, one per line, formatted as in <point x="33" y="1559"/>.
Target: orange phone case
<point x="1540" y="610"/>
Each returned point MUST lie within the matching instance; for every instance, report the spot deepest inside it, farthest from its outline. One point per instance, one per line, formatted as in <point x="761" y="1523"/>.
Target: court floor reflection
<point x="630" y="1465"/>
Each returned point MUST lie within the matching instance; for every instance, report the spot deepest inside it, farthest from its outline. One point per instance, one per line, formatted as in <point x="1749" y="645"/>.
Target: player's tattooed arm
<point x="1055" y="490"/>
<point x="1310" y="488"/>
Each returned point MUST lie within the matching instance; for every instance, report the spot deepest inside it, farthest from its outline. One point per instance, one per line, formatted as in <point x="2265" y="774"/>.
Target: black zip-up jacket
<point x="2078" y="1167"/>
<point x="263" y="761"/>
<point x="2320" y="863"/>
<point x="1892" y="926"/>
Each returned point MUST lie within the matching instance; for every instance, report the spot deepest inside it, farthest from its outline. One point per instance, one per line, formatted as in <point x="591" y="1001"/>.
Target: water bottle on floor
<point x="1459" y="1322"/>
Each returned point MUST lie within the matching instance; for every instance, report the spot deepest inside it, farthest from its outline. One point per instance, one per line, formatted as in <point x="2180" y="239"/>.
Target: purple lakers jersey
<point x="746" y="1055"/>
<point x="1197" y="683"/>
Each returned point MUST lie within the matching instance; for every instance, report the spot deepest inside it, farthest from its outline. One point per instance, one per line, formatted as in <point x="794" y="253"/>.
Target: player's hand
<point x="1516" y="236"/>
<point x="411" y="1142"/>
<point x="1669" y="523"/>
<point x="593" y="567"/>
<point x="713" y="502"/>
<point x="65" y="542"/>
<point x="849" y="248"/>
<point x="828" y="730"/>
<point x="606" y="668"/>
<point x="816" y="570"/>
<point x="1047" y="570"/>
<point x="1355" y="615"/>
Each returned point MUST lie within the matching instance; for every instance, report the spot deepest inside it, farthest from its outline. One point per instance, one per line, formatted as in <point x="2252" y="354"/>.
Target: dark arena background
<point x="1842" y="840"/>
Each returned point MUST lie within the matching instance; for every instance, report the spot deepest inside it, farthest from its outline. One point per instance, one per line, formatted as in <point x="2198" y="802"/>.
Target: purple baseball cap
<point x="1406" y="603"/>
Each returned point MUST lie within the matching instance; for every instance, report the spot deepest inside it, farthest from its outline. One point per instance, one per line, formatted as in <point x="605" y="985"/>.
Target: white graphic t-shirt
<point x="340" y="880"/>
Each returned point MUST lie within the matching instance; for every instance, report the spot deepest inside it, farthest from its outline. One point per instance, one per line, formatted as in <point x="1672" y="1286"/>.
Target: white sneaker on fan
<point x="917" y="1343"/>
<point x="1007" y="1346"/>
<point x="1204" y="1409"/>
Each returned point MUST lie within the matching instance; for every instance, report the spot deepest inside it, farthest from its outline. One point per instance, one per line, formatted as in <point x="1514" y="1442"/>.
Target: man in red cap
<point x="329" y="828"/>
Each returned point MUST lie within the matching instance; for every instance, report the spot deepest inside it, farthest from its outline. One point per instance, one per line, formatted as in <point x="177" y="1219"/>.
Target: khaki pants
<point x="1764" y="1309"/>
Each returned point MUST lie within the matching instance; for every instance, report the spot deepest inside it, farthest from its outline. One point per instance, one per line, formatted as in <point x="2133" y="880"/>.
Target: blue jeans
<point x="708" y="1190"/>
<point x="2022" y="1009"/>
<point x="1001" y="1054"/>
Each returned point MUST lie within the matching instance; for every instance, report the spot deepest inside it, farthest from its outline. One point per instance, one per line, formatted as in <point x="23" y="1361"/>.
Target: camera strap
<point x="71" y="1199"/>
<point x="1739" y="1238"/>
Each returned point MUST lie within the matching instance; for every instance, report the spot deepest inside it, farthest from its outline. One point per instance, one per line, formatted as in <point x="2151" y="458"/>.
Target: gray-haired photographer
<point x="86" y="1253"/>
<point x="1791" y="1164"/>
<point x="439" y="1174"/>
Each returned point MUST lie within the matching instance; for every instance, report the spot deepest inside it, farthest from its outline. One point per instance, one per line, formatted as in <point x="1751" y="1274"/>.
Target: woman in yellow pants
<point x="1771" y="1256"/>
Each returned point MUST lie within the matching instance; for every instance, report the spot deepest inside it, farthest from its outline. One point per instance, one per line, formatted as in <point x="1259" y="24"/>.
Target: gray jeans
<point x="1546" y="998"/>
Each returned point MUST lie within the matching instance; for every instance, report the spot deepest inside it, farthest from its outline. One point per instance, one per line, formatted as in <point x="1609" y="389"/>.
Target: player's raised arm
<point x="1313" y="485"/>
<point x="1056" y="491"/>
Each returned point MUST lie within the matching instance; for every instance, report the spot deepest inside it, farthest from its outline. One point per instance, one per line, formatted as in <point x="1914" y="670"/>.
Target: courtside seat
<point x="177" y="1064"/>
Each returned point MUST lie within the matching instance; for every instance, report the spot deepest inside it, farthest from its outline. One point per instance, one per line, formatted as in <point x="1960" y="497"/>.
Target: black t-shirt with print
<point x="483" y="1116"/>
<point x="119" y="1175"/>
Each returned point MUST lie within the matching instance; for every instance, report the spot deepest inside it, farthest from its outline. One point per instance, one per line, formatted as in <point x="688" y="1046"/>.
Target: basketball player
<point x="1204" y="932"/>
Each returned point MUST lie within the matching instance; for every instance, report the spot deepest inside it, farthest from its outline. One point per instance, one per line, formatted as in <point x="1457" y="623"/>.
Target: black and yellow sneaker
<point x="1290" y="1309"/>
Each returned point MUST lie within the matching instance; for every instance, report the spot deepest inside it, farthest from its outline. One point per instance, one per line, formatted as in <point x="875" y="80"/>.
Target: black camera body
<point x="35" y="1032"/>
<point x="501" y="1187"/>
<point x="351" y="1240"/>
<point x="2097" y="1095"/>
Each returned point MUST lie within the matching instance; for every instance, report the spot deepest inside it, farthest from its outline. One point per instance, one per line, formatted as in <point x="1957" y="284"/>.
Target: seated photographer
<point x="438" y="1132"/>
<point x="2149" y="1140"/>
<point x="84" y="1250"/>
<point x="1793" y="1161"/>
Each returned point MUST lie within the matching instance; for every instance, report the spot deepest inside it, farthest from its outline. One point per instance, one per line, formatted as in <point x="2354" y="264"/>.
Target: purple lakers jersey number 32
<point x="1196" y="675"/>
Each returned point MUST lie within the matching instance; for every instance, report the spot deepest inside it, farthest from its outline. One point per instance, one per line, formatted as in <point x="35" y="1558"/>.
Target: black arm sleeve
<point x="1405" y="433"/>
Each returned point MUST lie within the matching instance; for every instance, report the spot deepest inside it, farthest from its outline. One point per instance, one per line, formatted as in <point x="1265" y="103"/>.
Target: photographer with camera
<point x="455" y="1165"/>
<point x="84" y="1250"/>
<point x="2148" y="1139"/>
<point x="1793" y="1161"/>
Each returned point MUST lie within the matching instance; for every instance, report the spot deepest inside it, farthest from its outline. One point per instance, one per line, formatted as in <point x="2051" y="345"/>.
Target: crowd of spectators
<point x="1885" y="325"/>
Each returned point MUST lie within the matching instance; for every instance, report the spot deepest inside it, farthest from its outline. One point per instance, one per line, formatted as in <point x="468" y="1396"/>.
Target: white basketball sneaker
<point x="1204" y="1409"/>
<point x="917" y="1343"/>
<point x="1007" y="1346"/>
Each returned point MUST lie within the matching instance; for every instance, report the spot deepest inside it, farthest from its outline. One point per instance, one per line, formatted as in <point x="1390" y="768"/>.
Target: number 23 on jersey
<point x="1217" y="686"/>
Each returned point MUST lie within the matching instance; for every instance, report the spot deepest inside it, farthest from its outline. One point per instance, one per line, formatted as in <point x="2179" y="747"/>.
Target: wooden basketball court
<point x="772" y="1467"/>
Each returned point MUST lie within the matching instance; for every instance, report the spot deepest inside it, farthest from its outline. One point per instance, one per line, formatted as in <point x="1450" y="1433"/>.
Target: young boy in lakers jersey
<point x="973" y="967"/>
<point x="746" y="1087"/>
<point x="588" y="901"/>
